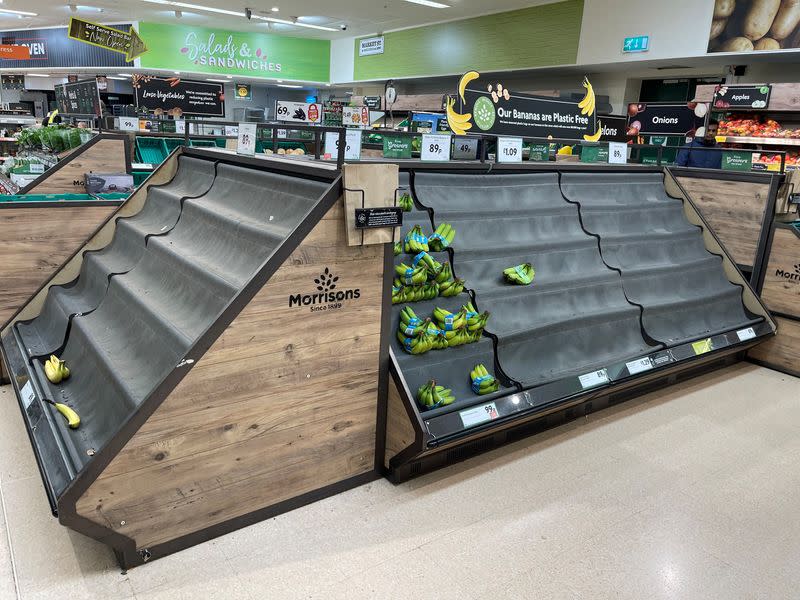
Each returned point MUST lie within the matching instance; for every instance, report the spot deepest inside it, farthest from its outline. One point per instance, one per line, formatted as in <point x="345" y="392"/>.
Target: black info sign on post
<point x="374" y="218"/>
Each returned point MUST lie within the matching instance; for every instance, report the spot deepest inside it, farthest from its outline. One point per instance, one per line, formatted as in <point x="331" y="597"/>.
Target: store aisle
<point x="685" y="493"/>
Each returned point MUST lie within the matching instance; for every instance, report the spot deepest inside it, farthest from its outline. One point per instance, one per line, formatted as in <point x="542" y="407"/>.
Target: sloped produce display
<point x="599" y="283"/>
<point x="172" y="374"/>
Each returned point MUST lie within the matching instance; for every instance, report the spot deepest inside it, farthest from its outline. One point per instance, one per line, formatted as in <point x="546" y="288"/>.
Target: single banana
<point x="596" y="135"/>
<point x="465" y="79"/>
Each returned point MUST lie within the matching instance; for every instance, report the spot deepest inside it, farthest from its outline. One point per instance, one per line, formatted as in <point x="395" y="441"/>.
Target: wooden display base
<point x="780" y="291"/>
<point x="104" y="153"/>
<point x="273" y="407"/>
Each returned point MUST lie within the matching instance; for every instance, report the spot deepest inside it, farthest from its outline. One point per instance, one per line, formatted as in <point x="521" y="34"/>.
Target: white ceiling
<point x="361" y="16"/>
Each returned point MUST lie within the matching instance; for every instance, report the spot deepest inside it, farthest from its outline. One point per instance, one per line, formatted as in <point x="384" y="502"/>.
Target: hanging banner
<point x="492" y="108"/>
<point x="79" y="98"/>
<point x="244" y="91"/>
<point x="125" y="42"/>
<point x="175" y="97"/>
<point x="246" y="54"/>
<point x="662" y="119"/>
<point x="741" y="96"/>
<point x="54" y="48"/>
<point x="298" y="112"/>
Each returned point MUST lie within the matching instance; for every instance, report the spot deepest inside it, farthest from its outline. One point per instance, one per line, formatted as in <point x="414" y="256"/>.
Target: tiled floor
<point x="690" y="493"/>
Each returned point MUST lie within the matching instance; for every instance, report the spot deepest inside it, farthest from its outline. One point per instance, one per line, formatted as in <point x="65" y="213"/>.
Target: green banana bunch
<point x="55" y="369"/>
<point x="411" y="275"/>
<point x="414" y="293"/>
<point x="432" y="396"/>
<point x="405" y="202"/>
<point x="449" y="289"/>
<point x="477" y="322"/>
<point x="414" y="328"/>
<point x="416" y="345"/>
<point x="440" y="341"/>
<point x="431" y="264"/>
<point x="449" y="321"/>
<point x="415" y="241"/>
<point x="398" y="248"/>
<point x="520" y="275"/>
<point x="460" y="337"/>
<point x="482" y="381"/>
<point x="445" y="274"/>
<point x="442" y="237"/>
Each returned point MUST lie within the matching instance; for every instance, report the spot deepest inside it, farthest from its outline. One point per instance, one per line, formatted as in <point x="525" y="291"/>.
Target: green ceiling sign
<point x="223" y="52"/>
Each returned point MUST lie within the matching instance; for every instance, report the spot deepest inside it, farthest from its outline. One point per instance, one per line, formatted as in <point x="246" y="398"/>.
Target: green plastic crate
<point x="173" y="143"/>
<point x="151" y="150"/>
<point x="203" y="143"/>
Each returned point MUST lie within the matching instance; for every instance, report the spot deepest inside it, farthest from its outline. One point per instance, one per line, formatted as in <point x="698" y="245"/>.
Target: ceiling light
<point x="275" y="9"/>
<point x="229" y="76"/>
<point x="280" y="80"/>
<point x="429" y="3"/>
<point x="177" y="72"/>
<point x="286" y="85"/>
<point x="295" y="23"/>
<point x="218" y="80"/>
<point x="117" y="78"/>
<point x="36" y="75"/>
<point x="21" y="13"/>
<point x="125" y="74"/>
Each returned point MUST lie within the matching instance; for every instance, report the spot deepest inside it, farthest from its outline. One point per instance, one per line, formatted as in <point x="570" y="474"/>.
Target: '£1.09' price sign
<point x="509" y="149"/>
<point x="435" y="146"/>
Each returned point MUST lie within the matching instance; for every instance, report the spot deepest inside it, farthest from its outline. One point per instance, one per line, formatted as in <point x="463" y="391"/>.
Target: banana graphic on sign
<point x="587" y="106"/>
<point x="459" y="123"/>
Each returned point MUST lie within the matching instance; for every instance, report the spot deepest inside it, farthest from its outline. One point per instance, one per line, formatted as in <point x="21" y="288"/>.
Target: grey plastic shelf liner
<point x="45" y="334"/>
<point x="151" y="315"/>
<point x="664" y="263"/>
<point x="575" y="316"/>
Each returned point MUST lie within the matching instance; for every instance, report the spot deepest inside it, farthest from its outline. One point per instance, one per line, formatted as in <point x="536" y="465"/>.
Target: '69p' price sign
<point x="509" y="149"/>
<point x="435" y="146"/>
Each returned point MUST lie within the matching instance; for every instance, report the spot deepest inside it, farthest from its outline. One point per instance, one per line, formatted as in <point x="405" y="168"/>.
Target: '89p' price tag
<point x="435" y="146"/>
<point x="617" y="153"/>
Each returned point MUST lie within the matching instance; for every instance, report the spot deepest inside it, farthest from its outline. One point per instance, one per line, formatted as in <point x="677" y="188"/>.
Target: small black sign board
<point x="794" y="198"/>
<point x="741" y="96"/>
<point x="372" y="102"/>
<point x="373" y="218"/>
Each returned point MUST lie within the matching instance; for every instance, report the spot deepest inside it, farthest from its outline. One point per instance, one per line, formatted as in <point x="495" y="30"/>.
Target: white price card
<point x="129" y="123"/>
<point x="639" y="365"/>
<point x="509" y="149"/>
<point x="746" y="334"/>
<point x="593" y="379"/>
<point x="617" y="153"/>
<point x="246" y="139"/>
<point x="180" y="126"/>
<point x="435" y="146"/>
<point x="27" y="395"/>
<point x="231" y="130"/>
<point x="281" y="133"/>
<point x="36" y="167"/>
<point x="465" y="148"/>
<point x="352" y="150"/>
<point x="479" y="414"/>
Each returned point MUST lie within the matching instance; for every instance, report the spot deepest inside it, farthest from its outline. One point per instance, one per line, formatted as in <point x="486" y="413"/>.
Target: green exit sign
<point x="640" y="43"/>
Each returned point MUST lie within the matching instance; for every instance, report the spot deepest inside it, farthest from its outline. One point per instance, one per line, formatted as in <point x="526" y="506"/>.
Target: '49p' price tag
<point x="435" y="146"/>
<point x="509" y="149"/>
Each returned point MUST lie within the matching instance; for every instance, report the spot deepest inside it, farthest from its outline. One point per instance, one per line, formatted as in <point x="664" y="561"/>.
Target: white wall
<point x="342" y="60"/>
<point x="677" y="28"/>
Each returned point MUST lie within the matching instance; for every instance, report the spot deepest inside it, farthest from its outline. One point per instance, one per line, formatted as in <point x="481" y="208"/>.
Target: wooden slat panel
<point x="399" y="431"/>
<point x="105" y="156"/>
<point x="36" y="241"/>
<point x="735" y="211"/>
<point x="781" y="290"/>
<point x="283" y="403"/>
<point x="783" y="351"/>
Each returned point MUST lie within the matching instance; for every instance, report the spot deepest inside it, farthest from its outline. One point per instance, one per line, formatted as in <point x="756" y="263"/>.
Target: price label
<point x="180" y="126"/>
<point x="352" y="150"/>
<point x="281" y="133"/>
<point x="702" y="346"/>
<point x="246" y="139"/>
<point x="231" y="130"/>
<point x="465" y="148"/>
<point x="617" y="153"/>
<point x="639" y="365"/>
<point x="593" y="379"/>
<point x="479" y="414"/>
<point x="282" y="110"/>
<point x="509" y="150"/>
<point x="129" y="123"/>
<point x="746" y="334"/>
<point x="435" y="146"/>
<point x="27" y="395"/>
<point x="36" y="168"/>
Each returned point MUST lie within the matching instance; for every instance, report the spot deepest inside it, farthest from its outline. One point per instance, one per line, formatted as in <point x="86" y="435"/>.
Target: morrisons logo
<point x="327" y="297"/>
<point x="789" y="275"/>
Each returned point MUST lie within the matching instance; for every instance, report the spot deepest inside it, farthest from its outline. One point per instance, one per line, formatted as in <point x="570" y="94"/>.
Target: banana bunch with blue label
<point x="445" y="330"/>
<point x="482" y="381"/>
<point x="520" y="275"/>
<point x="463" y="327"/>
<point x="424" y="279"/>
<point x="432" y="396"/>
